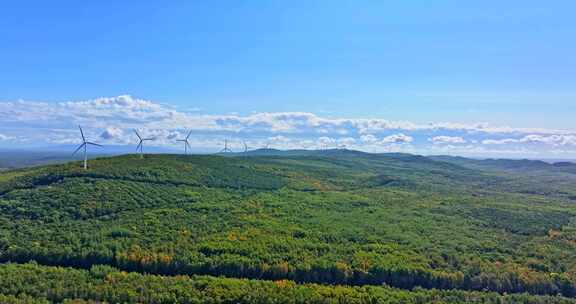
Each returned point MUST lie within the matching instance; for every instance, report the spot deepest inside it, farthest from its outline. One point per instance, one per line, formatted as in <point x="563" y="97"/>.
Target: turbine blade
<point x="94" y="144"/>
<point x="180" y="140"/>
<point x="82" y="133"/>
<point x="78" y="149"/>
<point x="188" y="145"/>
<point x="137" y="134"/>
<point x="149" y="138"/>
<point x="189" y="133"/>
<point x="138" y="146"/>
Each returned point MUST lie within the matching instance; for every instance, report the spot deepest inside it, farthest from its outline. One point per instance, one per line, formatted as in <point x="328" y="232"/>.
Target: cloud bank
<point x="110" y="120"/>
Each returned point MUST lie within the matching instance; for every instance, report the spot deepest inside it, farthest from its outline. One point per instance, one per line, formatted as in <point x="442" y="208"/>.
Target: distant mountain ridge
<point x="510" y="164"/>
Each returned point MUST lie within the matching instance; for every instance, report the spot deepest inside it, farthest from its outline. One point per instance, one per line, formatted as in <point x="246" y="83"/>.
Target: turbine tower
<point x="186" y="143"/>
<point x="141" y="143"/>
<point x="84" y="145"/>
<point x="245" y="146"/>
<point x="226" y="149"/>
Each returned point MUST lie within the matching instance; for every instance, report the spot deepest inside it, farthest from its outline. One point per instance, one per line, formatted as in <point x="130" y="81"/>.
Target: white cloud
<point x="126" y="111"/>
<point x="326" y="142"/>
<point x="557" y="140"/>
<point x="279" y="139"/>
<point x="110" y="120"/>
<point x="443" y="140"/>
<point x="346" y="141"/>
<point x="112" y="133"/>
<point x="500" y="141"/>
<point x="554" y="140"/>
<point x="6" y="137"/>
<point x="394" y="141"/>
<point x="369" y="138"/>
<point x="397" y="139"/>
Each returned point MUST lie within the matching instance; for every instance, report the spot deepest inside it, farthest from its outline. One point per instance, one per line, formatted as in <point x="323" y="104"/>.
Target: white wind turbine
<point x="186" y="143"/>
<point x="141" y="143"/>
<point x="226" y="149"/>
<point x="85" y="146"/>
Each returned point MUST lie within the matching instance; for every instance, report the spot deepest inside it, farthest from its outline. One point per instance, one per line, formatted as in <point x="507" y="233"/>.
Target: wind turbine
<point x="226" y="149"/>
<point x="245" y="146"/>
<point x="141" y="143"/>
<point x="186" y="143"/>
<point x="85" y="146"/>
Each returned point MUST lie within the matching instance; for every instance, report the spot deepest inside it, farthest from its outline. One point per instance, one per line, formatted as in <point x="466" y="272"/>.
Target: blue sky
<point x="500" y="63"/>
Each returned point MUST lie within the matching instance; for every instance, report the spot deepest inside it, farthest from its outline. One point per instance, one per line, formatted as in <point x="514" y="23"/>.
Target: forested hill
<point x="305" y="226"/>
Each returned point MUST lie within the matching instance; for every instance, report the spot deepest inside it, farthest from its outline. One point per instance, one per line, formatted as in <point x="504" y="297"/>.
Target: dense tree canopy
<point x="332" y="218"/>
<point x="32" y="283"/>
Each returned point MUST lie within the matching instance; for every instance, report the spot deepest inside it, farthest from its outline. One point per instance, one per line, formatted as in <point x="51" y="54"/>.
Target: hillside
<point x="314" y="222"/>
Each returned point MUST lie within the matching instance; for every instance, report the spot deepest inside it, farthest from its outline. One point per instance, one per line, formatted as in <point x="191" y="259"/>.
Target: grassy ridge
<point x="334" y="218"/>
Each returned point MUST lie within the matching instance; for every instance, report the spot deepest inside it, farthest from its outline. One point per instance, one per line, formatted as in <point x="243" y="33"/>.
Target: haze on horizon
<point x="485" y="78"/>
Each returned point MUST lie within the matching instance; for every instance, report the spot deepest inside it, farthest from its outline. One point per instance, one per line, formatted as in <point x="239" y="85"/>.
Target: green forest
<point x="333" y="226"/>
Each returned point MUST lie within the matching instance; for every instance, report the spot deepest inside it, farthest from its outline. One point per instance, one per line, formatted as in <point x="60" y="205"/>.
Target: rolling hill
<point x="289" y="226"/>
